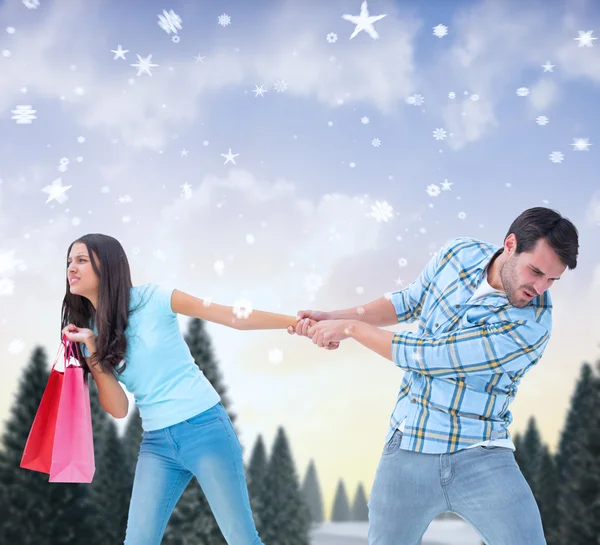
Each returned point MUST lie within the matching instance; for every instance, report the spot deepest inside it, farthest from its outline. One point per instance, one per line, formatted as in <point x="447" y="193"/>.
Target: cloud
<point x="143" y="111"/>
<point x="492" y="55"/>
<point x="543" y="94"/>
<point x="593" y="210"/>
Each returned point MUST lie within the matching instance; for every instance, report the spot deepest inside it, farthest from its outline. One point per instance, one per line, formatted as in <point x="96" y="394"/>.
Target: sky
<point x="267" y="154"/>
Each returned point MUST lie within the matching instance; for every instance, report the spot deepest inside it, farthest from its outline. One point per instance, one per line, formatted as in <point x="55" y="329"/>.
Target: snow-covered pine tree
<point x="35" y="511"/>
<point x="311" y="491"/>
<point x="547" y="493"/>
<point x="570" y="461"/>
<point x="192" y="518"/>
<point x="360" y="508"/>
<point x="284" y="518"/>
<point x="257" y="469"/>
<point x="110" y="491"/>
<point x="341" y="506"/>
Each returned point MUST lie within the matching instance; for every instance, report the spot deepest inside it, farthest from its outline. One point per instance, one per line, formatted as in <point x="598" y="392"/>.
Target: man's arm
<point x="400" y="306"/>
<point x="494" y="348"/>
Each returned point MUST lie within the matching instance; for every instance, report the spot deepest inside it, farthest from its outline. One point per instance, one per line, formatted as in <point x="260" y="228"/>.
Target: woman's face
<point x="82" y="278"/>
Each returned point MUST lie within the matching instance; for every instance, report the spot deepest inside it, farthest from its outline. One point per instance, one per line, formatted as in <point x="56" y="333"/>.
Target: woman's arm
<point x="112" y="397"/>
<point x="183" y="303"/>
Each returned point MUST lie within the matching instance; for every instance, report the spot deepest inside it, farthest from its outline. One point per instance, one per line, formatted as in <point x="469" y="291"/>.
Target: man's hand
<point x="307" y="318"/>
<point x="329" y="331"/>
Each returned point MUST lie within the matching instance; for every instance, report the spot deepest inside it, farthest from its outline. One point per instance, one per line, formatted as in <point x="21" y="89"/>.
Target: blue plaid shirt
<point x="465" y="362"/>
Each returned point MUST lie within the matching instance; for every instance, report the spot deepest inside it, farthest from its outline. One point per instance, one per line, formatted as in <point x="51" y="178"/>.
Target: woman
<point x="131" y="335"/>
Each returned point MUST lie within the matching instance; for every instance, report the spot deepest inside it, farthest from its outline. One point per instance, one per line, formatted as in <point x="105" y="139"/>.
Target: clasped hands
<point x="323" y="332"/>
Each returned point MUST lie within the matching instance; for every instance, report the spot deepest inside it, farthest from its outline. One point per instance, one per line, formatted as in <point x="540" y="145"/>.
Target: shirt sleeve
<point x="409" y="301"/>
<point x="491" y="348"/>
<point x="162" y="298"/>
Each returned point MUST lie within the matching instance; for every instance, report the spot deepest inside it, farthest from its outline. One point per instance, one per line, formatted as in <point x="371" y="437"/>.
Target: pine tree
<point x="110" y="491"/>
<point x="532" y="454"/>
<point x="341" y="507"/>
<point x="285" y="518"/>
<point x="360" y="508"/>
<point x="547" y="493"/>
<point x="257" y="468"/>
<point x="570" y="460"/>
<point x="33" y="510"/>
<point x="579" y="501"/>
<point x="311" y="491"/>
<point x="192" y="518"/>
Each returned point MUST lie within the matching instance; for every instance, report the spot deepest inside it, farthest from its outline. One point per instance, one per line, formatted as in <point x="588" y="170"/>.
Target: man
<point x="484" y="319"/>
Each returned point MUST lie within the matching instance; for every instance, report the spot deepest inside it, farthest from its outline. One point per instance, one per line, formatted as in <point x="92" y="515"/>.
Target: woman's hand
<point x="78" y="334"/>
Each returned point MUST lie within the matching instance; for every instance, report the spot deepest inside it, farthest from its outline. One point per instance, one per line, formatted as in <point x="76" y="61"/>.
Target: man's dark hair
<point x="540" y="222"/>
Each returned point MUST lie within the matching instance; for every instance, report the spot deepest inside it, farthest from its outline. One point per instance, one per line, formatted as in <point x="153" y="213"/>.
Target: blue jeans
<point x="204" y="446"/>
<point x="483" y="485"/>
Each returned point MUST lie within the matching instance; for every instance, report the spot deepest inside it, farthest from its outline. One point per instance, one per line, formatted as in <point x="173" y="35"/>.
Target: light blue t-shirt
<point x="160" y="371"/>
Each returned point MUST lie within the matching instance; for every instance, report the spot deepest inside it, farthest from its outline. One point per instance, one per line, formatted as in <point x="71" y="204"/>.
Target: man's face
<point x="529" y="274"/>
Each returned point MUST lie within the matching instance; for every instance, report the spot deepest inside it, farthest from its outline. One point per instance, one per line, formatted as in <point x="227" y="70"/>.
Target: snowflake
<point x="332" y="37"/>
<point x="23" y="114"/>
<point x="224" y="19"/>
<point x="581" y="144"/>
<point x="585" y="38"/>
<point x="313" y="282"/>
<point x="402" y="262"/>
<point x="31" y="4"/>
<point x="242" y="309"/>
<point x="452" y="95"/>
<point x="440" y="31"/>
<point x="376" y="142"/>
<point x="250" y="239"/>
<point x="186" y="191"/>
<point x="280" y="85"/>
<point x="381" y="211"/>
<point x="7" y="286"/>
<point x="176" y="39"/>
<point x="16" y="346"/>
<point x="81" y="139"/>
<point x="63" y="165"/>
<point x="259" y="91"/>
<point x="56" y="191"/>
<point x="462" y="215"/>
<point x="124" y="199"/>
<point x="219" y="266"/>
<point x="169" y="21"/>
<point x="144" y="65"/>
<point x="542" y="120"/>
<point x="365" y="120"/>
<point x="275" y="356"/>
<point x="439" y="134"/>
<point x="6" y="53"/>
<point x="557" y="157"/>
<point x="433" y="190"/>
<point x="415" y="100"/>
<point x="522" y="91"/>
<point x="474" y="98"/>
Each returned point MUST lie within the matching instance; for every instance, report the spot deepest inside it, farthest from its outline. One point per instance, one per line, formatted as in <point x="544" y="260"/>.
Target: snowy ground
<point x="440" y="532"/>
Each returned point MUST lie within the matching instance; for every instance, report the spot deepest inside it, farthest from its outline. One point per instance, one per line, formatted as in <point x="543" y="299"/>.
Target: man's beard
<point x="509" y="282"/>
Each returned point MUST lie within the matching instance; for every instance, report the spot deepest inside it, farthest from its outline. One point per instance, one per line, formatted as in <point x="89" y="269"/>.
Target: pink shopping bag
<point x="73" y="450"/>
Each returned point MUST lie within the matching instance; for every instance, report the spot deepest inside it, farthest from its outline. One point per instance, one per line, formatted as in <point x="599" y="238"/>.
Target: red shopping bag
<point x="37" y="455"/>
<point x="73" y="450"/>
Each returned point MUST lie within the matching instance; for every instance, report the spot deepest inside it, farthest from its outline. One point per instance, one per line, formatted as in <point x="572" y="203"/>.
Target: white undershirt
<point x="482" y="290"/>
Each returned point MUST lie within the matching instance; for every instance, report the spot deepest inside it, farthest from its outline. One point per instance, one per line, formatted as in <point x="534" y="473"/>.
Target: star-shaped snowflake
<point x="56" y="191"/>
<point x="144" y="65"/>
<point x="364" y="21"/>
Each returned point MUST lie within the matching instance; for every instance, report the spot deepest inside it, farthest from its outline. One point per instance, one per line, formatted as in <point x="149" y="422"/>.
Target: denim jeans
<point x="204" y="446"/>
<point x="483" y="485"/>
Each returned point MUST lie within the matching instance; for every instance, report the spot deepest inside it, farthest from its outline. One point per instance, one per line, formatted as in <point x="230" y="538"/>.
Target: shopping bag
<point x="37" y="454"/>
<point x="73" y="449"/>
